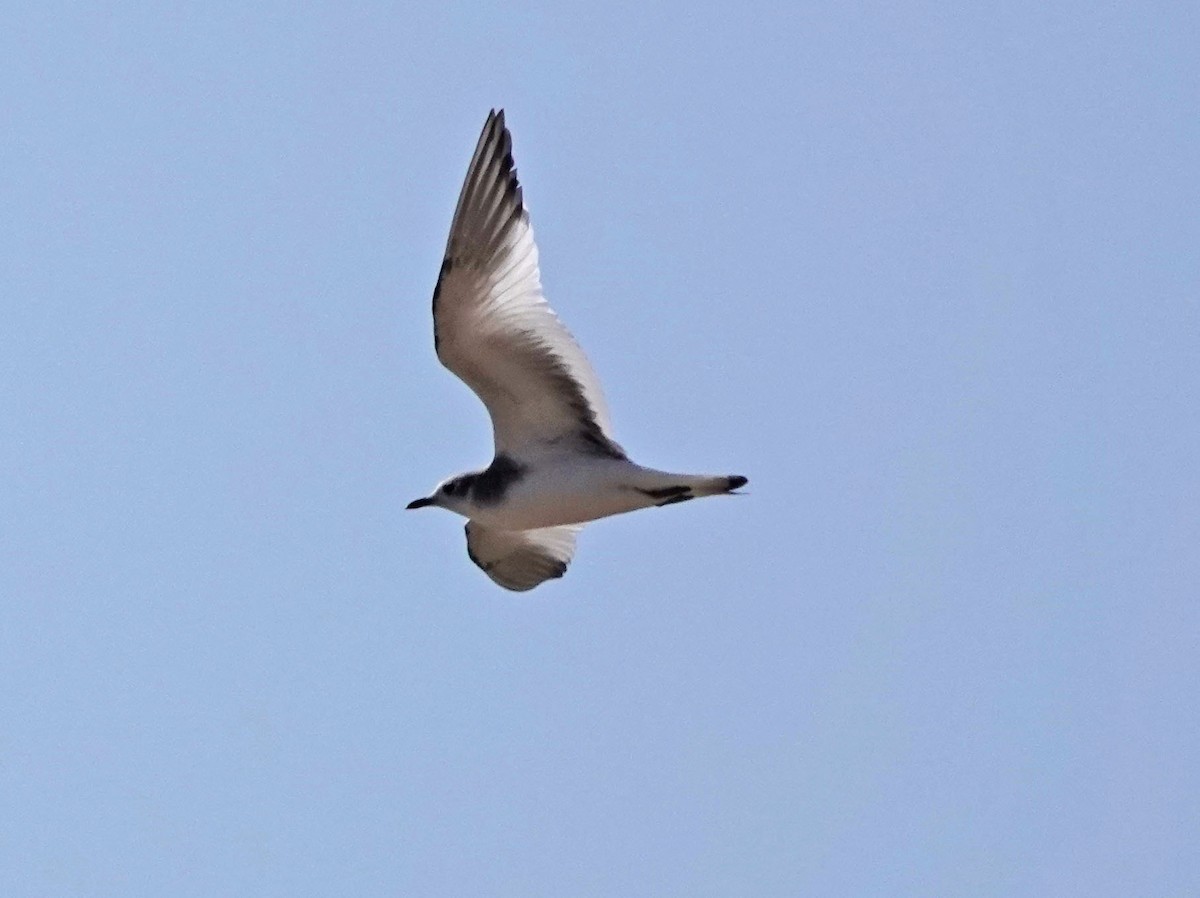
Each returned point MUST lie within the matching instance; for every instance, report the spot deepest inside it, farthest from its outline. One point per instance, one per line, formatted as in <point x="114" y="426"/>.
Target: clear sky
<point x="928" y="273"/>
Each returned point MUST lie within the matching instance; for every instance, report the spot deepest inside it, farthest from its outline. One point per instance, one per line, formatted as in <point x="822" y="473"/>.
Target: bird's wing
<point x="493" y="328"/>
<point x="521" y="559"/>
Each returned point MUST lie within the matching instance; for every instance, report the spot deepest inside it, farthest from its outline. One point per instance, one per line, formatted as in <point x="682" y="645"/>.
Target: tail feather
<point x="716" y="486"/>
<point x="682" y="487"/>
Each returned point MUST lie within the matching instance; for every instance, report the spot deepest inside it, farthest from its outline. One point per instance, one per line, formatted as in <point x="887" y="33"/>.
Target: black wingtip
<point x="736" y="481"/>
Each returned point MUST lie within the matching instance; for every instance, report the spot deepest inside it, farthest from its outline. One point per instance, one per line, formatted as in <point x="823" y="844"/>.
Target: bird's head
<point x="453" y="495"/>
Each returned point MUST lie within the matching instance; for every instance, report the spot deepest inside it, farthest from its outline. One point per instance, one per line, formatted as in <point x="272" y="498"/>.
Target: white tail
<point x="664" y="488"/>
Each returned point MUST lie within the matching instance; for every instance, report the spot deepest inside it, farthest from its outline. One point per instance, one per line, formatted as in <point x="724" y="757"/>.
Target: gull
<point x="556" y="464"/>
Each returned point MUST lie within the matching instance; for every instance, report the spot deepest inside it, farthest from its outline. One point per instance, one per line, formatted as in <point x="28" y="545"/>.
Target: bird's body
<point x="556" y="465"/>
<point x="569" y="489"/>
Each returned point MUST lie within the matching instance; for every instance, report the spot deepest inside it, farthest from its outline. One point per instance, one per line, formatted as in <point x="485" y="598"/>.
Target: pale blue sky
<point x="926" y="272"/>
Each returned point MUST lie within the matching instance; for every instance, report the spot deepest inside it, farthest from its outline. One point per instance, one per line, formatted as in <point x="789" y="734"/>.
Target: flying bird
<point x="556" y="465"/>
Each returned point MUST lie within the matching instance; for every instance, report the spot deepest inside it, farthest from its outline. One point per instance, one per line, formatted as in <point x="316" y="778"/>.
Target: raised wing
<point x="493" y="328"/>
<point x="521" y="559"/>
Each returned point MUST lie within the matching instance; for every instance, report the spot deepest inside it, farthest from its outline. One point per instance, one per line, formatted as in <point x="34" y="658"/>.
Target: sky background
<point x="928" y="273"/>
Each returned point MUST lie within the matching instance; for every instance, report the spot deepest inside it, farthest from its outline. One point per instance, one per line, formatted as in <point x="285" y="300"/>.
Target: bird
<point x="556" y="465"/>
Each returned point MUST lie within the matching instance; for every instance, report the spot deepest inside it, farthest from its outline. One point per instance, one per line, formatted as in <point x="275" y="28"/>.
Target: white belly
<point x="549" y="496"/>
